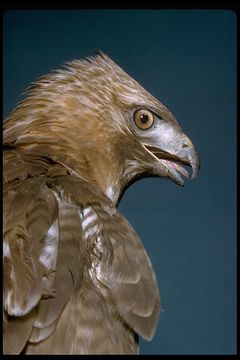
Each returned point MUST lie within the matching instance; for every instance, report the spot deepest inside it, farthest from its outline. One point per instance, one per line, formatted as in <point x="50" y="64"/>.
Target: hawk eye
<point x="143" y="119"/>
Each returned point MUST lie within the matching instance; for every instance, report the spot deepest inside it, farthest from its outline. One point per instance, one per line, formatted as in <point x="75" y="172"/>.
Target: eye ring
<point x="143" y="118"/>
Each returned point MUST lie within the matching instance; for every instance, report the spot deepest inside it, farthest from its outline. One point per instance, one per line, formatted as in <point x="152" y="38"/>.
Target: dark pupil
<point x="144" y="118"/>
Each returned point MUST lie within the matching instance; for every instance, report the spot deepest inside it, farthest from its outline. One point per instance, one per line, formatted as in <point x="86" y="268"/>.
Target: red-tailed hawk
<point x="77" y="279"/>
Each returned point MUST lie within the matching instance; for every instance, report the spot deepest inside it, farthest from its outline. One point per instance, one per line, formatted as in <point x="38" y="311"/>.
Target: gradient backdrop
<point x="187" y="59"/>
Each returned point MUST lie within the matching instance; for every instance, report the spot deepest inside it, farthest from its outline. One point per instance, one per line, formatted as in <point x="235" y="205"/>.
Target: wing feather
<point x="16" y="332"/>
<point x="69" y="268"/>
<point x="29" y="210"/>
<point x="129" y="276"/>
<point x="119" y="260"/>
<point x="62" y="227"/>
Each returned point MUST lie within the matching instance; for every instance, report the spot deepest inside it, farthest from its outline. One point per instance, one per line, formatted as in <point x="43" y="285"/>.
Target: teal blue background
<point x="187" y="59"/>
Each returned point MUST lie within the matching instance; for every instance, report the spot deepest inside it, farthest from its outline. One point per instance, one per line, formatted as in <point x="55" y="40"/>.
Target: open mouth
<point x="175" y="166"/>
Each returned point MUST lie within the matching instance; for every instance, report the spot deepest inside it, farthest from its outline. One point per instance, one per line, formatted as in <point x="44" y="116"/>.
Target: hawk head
<point x="101" y="124"/>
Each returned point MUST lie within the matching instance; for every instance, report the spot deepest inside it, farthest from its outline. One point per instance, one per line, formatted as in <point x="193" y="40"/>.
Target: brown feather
<point x="77" y="279"/>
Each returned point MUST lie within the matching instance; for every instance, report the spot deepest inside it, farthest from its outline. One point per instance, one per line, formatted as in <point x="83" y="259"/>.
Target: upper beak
<point x="189" y="155"/>
<point x="173" y="162"/>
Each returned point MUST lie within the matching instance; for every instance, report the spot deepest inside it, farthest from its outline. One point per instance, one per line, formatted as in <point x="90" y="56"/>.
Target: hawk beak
<point x="173" y="162"/>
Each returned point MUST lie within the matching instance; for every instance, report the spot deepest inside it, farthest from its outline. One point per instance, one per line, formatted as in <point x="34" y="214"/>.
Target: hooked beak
<point x="172" y="163"/>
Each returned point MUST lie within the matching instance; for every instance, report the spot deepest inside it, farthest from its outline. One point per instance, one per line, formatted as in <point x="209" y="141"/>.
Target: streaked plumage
<point x="77" y="279"/>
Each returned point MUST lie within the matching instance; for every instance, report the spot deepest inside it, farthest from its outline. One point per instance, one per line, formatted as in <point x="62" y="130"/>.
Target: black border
<point x="234" y="5"/>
